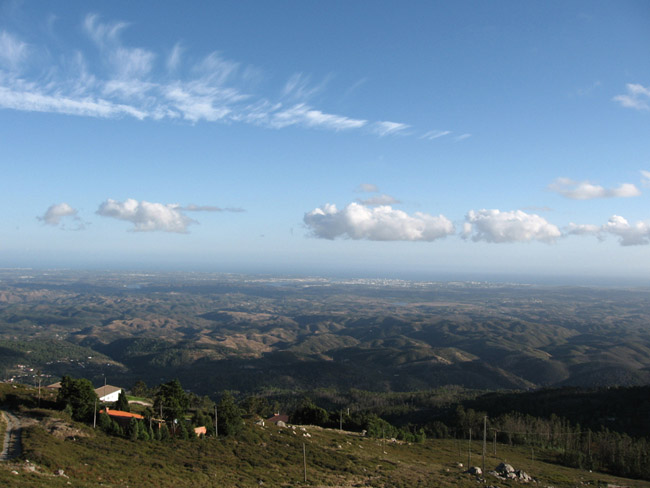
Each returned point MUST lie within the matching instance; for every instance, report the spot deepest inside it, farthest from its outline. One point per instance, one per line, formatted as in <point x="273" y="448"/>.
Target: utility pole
<point x="304" y="460"/>
<point x="494" y="442"/>
<point x="469" y="449"/>
<point x="484" y="440"/>
<point x="95" y="415"/>
<point x="341" y="421"/>
<point x="216" y="422"/>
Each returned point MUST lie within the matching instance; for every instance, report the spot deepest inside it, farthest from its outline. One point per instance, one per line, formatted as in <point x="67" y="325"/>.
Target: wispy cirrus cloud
<point x="387" y="128"/>
<point x="435" y="134"/>
<point x="637" y="97"/>
<point x="12" y="50"/>
<point x="585" y="190"/>
<point x="514" y="226"/>
<point x="357" y="221"/>
<point x="133" y="81"/>
<point x="645" y="178"/>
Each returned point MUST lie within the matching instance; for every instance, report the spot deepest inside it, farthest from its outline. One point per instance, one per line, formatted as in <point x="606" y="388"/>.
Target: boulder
<point x="475" y="470"/>
<point x="504" y="468"/>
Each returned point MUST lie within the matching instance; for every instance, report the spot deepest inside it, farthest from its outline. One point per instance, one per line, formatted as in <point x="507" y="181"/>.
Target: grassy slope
<point x="272" y="455"/>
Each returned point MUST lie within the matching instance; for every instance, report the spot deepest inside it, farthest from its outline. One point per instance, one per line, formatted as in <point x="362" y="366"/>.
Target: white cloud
<point x="585" y="230"/>
<point x="628" y="234"/>
<point x="514" y="226"/>
<point x="174" y="58"/>
<point x="304" y="115"/>
<point x="584" y="190"/>
<point x="209" y="208"/>
<point x="367" y="188"/>
<point x="128" y="84"/>
<point x="435" y="134"/>
<point x="382" y="223"/>
<point x="386" y="128"/>
<point x="462" y="137"/>
<point x="298" y="87"/>
<point x="380" y="200"/>
<point x="33" y="101"/>
<point x="637" y="97"/>
<point x="147" y="216"/>
<point x="12" y="50"/>
<point x="645" y="178"/>
<point x="56" y="212"/>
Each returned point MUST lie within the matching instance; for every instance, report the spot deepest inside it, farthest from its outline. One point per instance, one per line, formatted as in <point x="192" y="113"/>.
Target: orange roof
<point x="200" y="430"/>
<point x="120" y="413"/>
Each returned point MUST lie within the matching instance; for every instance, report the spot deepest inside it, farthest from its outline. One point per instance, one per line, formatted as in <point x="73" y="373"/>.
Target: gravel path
<point x="11" y="447"/>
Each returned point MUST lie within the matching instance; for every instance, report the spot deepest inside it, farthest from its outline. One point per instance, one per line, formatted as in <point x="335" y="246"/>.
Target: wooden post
<point x="95" y="415"/>
<point x="484" y="440"/>
<point x="216" y="422"/>
<point x="494" y="443"/>
<point x="304" y="460"/>
<point x="341" y="421"/>
<point x="469" y="449"/>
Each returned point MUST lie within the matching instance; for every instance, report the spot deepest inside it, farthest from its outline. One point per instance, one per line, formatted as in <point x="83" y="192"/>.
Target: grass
<point x="273" y="456"/>
<point x="269" y="455"/>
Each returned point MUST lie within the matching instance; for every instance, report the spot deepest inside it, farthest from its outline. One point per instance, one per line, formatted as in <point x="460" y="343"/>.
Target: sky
<point x="372" y="138"/>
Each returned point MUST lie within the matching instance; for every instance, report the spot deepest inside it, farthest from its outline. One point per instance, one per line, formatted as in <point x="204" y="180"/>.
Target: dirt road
<point x="12" y="446"/>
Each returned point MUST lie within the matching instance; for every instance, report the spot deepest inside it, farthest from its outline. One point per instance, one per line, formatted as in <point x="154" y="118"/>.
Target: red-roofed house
<point x="121" y="417"/>
<point x="278" y="418"/>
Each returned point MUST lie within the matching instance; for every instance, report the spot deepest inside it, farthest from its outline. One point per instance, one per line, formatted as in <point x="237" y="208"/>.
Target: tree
<point x="78" y="395"/>
<point x="122" y="403"/>
<point x="310" y="413"/>
<point x="140" y="389"/>
<point x="173" y="399"/>
<point x="229" y="421"/>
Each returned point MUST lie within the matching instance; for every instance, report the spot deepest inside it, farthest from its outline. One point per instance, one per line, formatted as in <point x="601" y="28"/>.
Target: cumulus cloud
<point x="383" y="223"/>
<point x="382" y="199"/>
<point x="55" y="213"/>
<point x="584" y="190"/>
<point x="514" y="226"/>
<point x="147" y="216"/>
<point x="628" y="234"/>
<point x="637" y="97"/>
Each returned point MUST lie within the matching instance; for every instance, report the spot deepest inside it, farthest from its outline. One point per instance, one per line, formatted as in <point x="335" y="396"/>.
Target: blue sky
<point x="376" y="138"/>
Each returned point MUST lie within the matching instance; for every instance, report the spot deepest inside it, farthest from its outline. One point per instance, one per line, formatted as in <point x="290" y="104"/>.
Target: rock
<point x="60" y="472"/>
<point x="459" y="465"/>
<point x="523" y="476"/>
<point x="511" y="476"/>
<point x="475" y="470"/>
<point x="281" y="424"/>
<point x="504" y="468"/>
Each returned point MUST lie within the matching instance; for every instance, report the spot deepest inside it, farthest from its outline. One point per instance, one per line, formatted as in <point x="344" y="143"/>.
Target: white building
<point x="108" y="393"/>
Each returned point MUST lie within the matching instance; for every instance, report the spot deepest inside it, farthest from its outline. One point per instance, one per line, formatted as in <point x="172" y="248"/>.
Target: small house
<point x="108" y="393"/>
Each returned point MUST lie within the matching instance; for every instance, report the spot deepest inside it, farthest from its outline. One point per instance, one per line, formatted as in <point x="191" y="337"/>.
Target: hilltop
<point x="75" y="454"/>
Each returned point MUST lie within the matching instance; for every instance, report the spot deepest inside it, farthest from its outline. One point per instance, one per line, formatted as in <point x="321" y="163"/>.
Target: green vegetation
<point x="268" y="454"/>
<point x="78" y="397"/>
